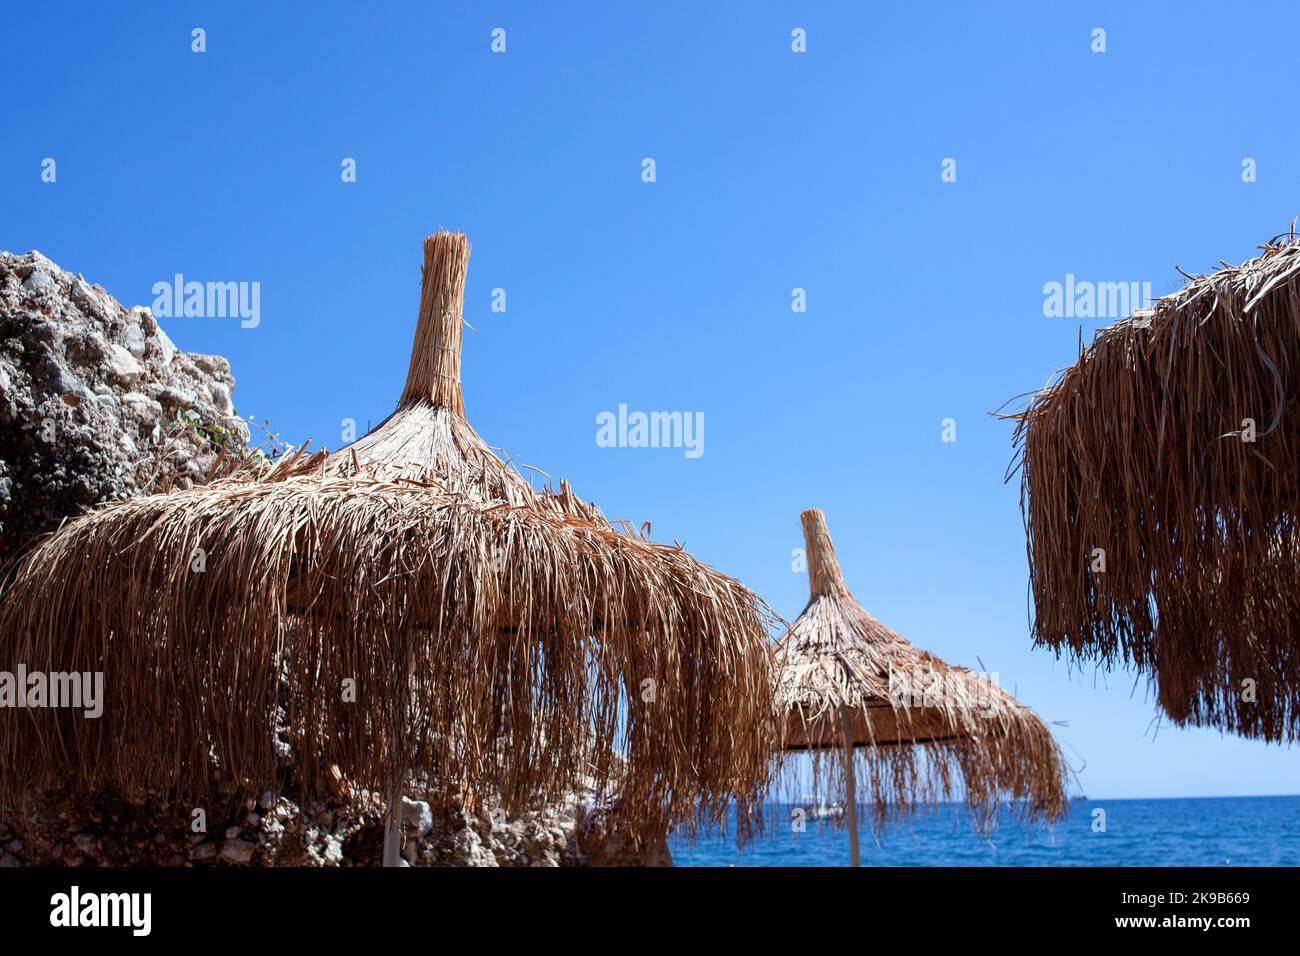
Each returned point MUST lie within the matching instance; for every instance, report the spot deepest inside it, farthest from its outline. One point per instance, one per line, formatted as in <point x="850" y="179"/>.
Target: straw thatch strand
<point x="413" y="607"/>
<point x="1161" y="494"/>
<point x="923" y="731"/>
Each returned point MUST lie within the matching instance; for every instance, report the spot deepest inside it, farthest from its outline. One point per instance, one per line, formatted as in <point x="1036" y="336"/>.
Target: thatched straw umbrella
<point x="1161" y="493"/>
<point x="851" y="689"/>
<point x="409" y="605"/>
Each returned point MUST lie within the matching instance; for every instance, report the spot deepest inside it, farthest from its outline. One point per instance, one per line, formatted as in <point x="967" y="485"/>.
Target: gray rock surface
<point x="90" y="396"/>
<point x="329" y="831"/>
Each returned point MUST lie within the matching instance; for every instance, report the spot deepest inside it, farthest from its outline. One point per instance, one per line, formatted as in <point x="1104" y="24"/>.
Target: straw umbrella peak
<point x="434" y="373"/>
<point x="428" y="435"/>
<point x="825" y="579"/>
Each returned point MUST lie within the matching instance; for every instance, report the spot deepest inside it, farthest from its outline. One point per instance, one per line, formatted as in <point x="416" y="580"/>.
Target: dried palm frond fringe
<point x="1159" y="532"/>
<point x="499" y="639"/>
<point x="923" y="731"/>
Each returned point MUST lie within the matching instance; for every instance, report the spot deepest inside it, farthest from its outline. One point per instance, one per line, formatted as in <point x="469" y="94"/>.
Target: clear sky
<point x="774" y="170"/>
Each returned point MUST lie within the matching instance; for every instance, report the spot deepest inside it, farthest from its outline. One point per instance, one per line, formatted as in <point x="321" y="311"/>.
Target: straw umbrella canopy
<point x="912" y="726"/>
<point x="408" y="605"/>
<point x="1161" y="493"/>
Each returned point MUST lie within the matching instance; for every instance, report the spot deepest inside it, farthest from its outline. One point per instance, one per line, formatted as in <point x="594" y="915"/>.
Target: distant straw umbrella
<point x="852" y="690"/>
<point x="1161" y="493"/>
<point x="494" y="638"/>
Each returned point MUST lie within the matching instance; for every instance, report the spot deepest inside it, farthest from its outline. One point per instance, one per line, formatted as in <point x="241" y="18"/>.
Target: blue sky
<point x="775" y="170"/>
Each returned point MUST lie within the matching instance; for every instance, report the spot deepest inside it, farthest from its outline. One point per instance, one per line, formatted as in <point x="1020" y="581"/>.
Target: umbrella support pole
<point x="850" y="794"/>
<point x="393" y="829"/>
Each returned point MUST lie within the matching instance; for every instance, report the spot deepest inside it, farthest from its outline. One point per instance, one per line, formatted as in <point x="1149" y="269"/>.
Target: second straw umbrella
<point x="868" y="704"/>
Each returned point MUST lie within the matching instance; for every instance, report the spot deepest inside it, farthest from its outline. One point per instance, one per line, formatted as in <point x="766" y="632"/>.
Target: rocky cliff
<point x="96" y="402"/>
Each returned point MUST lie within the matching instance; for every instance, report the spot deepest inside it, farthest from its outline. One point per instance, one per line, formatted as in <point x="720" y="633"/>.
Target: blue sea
<point x="1212" y="831"/>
